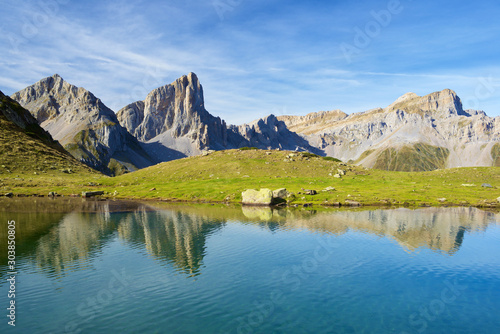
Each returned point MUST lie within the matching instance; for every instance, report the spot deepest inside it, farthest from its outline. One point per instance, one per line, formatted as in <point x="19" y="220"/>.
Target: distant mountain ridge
<point x="312" y="122"/>
<point x="413" y="133"/>
<point x="272" y="133"/>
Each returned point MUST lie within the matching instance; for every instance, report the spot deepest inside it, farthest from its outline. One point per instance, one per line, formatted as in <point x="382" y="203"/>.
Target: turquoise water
<point x="110" y="267"/>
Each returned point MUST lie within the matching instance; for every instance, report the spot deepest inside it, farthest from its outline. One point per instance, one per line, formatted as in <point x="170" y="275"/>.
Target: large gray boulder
<point x="257" y="197"/>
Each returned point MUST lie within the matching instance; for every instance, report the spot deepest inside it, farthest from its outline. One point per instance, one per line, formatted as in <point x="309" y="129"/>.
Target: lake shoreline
<point x="294" y="205"/>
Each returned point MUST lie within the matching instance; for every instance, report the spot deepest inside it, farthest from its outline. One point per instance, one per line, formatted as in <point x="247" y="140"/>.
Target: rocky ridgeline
<point x="312" y="122"/>
<point x="432" y="129"/>
<point x="271" y="133"/>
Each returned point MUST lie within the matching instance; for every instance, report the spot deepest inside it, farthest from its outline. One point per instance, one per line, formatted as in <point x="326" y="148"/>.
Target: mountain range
<point x="414" y="133"/>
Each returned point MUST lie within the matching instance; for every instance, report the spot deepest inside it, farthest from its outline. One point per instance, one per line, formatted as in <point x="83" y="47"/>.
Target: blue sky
<point x="256" y="57"/>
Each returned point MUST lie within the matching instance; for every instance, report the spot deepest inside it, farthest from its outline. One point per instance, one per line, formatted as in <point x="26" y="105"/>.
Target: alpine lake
<point x="93" y="266"/>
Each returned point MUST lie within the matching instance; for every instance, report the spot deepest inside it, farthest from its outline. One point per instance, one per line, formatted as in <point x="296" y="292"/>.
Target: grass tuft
<point x="247" y="148"/>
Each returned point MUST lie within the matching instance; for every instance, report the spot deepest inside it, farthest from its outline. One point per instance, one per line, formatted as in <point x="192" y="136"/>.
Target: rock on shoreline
<point x="264" y="197"/>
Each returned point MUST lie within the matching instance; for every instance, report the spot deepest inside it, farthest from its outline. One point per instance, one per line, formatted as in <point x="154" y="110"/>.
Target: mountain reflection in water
<point x="62" y="235"/>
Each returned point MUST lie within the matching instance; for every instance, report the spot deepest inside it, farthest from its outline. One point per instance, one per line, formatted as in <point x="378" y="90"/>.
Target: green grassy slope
<point x="412" y="158"/>
<point x="222" y="176"/>
<point x="495" y="154"/>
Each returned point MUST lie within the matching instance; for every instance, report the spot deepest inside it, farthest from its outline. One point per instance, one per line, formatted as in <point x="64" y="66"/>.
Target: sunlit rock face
<point x="174" y="116"/>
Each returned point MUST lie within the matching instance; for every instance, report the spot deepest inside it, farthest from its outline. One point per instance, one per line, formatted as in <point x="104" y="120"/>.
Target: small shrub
<point x="309" y="155"/>
<point x="247" y="148"/>
<point x="332" y="159"/>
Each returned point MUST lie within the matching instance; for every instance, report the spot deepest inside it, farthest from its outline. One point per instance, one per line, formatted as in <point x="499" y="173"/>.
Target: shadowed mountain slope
<point x="84" y="126"/>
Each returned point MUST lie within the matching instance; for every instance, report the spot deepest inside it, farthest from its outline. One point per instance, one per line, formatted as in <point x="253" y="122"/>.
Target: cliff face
<point x="175" y="117"/>
<point x="413" y="133"/>
<point x="85" y="127"/>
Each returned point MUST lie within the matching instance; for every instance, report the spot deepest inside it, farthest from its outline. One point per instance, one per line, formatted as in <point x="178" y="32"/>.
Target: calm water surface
<point x="123" y="267"/>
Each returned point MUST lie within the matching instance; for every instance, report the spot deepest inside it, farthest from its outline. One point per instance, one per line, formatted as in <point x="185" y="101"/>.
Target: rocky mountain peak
<point x="405" y="97"/>
<point x="171" y="107"/>
<point x="86" y="128"/>
<point x="444" y="103"/>
<point x="191" y="79"/>
<point x="175" y="111"/>
<point x="47" y="98"/>
<point x="269" y="120"/>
